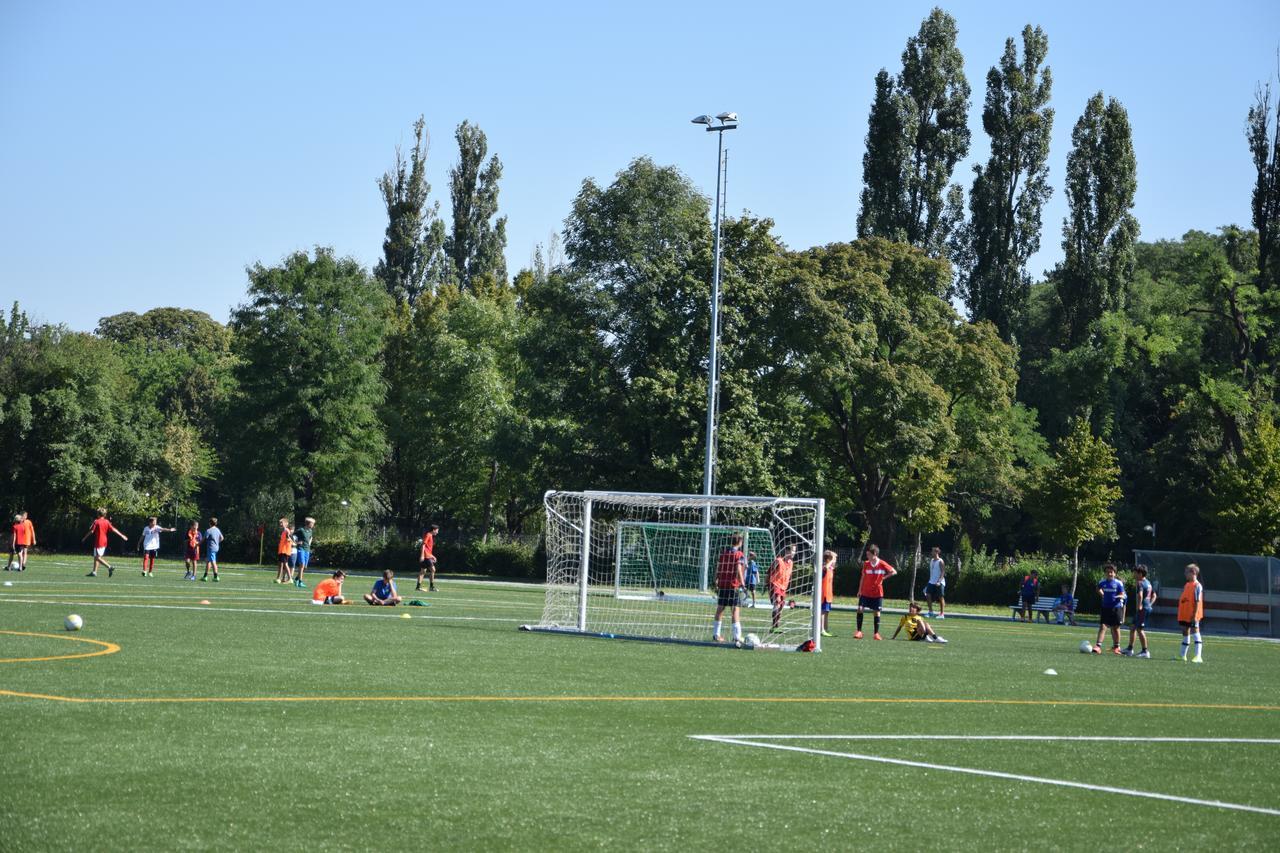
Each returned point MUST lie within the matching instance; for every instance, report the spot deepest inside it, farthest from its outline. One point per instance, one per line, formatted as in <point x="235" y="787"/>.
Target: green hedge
<point x="494" y="559"/>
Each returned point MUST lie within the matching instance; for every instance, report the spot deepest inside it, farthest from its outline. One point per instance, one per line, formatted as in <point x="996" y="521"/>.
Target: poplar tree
<point x="916" y="134"/>
<point x="411" y="260"/>
<point x="1008" y="194"/>
<point x="1099" y="232"/>
<point x="477" y="241"/>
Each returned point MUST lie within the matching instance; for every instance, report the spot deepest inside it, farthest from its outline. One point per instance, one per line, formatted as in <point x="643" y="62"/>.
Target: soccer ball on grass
<point x="74" y="622"/>
<point x="1085" y="647"/>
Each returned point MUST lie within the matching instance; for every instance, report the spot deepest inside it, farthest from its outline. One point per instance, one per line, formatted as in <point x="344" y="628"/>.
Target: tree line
<point x="1129" y="390"/>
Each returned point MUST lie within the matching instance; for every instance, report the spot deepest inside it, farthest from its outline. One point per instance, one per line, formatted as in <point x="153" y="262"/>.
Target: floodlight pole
<point x="713" y="361"/>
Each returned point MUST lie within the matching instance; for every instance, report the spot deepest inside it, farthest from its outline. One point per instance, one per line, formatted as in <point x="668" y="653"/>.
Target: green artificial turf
<point x="452" y="730"/>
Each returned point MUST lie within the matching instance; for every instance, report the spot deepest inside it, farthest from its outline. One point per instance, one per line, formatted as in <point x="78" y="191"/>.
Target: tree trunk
<point x="488" y="500"/>
<point x="915" y="567"/>
<point x="1075" y="570"/>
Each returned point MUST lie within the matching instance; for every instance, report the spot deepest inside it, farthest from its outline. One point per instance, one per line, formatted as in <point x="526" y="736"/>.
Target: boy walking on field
<point x="729" y="580"/>
<point x="151" y="544"/>
<point x="1190" y="612"/>
<point x="875" y="572"/>
<point x="192" y="550"/>
<point x="302" y="550"/>
<point x="99" y="530"/>
<point x="212" y="542"/>
<point x="284" y="551"/>
<point x="427" y="558"/>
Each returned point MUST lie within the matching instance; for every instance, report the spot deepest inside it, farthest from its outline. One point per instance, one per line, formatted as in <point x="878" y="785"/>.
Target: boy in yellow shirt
<point x="917" y="627"/>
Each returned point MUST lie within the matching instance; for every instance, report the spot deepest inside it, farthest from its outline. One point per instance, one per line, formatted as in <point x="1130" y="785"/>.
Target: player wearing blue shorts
<point x="302" y="539"/>
<point x="212" y="542"/>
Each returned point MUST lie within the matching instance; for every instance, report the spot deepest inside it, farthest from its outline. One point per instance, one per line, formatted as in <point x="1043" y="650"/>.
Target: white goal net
<point x="657" y="567"/>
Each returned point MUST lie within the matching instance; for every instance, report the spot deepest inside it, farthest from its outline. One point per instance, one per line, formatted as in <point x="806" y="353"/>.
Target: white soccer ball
<point x="1085" y="647"/>
<point x="74" y="622"/>
<point x="14" y="566"/>
<point x="753" y="640"/>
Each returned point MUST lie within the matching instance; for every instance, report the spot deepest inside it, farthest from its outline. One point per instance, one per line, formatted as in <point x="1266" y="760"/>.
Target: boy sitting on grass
<point x="384" y="591"/>
<point x="329" y="590"/>
<point x="917" y="627"/>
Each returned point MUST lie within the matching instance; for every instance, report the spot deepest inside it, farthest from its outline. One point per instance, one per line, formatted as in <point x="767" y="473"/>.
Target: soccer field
<point x="260" y="721"/>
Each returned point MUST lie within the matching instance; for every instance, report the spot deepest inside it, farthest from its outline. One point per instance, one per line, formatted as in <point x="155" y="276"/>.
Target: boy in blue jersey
<point x="384" y="591"/>
<point x="1145" y="600"/>
<point x="1111" y="589"/>
<point x="752" y="576"/>
<point x="212" y="542"/>
<point x="1064" y="606"/>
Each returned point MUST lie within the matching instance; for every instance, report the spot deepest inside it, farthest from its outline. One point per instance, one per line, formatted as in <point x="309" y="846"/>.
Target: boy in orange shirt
<point x="99" y="529"/>
<point x="284" y="572"/>
<point x="17" y="545"/>
<point x="828" y="588"/>
<point x="329" y="590"/>
<point x="427" y="558"/>
<point x="192" y="551"/>
<point x="780" y="581"/>
<point x="1190" y="612"/>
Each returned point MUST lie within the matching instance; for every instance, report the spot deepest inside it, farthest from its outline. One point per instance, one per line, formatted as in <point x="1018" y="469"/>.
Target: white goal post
<point x="643" y="566"/>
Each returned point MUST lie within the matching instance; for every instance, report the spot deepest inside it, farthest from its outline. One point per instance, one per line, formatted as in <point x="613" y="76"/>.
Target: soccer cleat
<point x="205" y="578"/>
<point x="1197" y="659"/>
<point x="215" y="578"/>
<point x="110" y="571"/>
<point x="1115" y="650"/>
<point x="876" y="636"/>
<point x="1144" y="654"/>
<point x="1097" y="650"/>
<point x="942" y="616"/>
<point x="418" y="588"/>
<point x="144" y="573"/>
<point x="92" y="574"/>
<point x="827" y="634"/>
<point x="1127" y="653"/>
<point x="929" y="614"/>
<point x="717" y="639"/>
<point x="433" y="588"/>
<point x="857" y="635"/>
<point x="928" y="639"/>
<point x="938" y="639"/>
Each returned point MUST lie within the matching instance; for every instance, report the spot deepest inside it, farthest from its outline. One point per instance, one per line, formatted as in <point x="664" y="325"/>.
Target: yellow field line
<point x="106" y="648"/>
<point x="837" y="700"/>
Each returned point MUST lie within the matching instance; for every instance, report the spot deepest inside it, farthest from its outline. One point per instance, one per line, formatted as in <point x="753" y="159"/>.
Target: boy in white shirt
<point x="936" y="588"/>
<point x="151" y="545"/>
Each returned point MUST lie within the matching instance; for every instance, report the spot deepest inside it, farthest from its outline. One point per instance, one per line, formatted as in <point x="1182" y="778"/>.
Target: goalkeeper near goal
<point x="729" y="582"/>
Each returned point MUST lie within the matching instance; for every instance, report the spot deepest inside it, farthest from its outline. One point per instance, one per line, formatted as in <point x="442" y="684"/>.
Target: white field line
<point x="759" y="742"/>
<point x="1103" y="738"/>
<point x="313" y="610"/>
<point x="251" y="595"/>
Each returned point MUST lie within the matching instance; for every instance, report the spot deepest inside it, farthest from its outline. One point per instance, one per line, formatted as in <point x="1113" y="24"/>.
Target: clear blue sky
<point x="149" y="152"/>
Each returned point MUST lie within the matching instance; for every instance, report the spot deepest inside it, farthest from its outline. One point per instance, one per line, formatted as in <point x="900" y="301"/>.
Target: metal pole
<point x="713" y="379"/>
<point x="819" y="533"/>
<point x="584" y="567"/>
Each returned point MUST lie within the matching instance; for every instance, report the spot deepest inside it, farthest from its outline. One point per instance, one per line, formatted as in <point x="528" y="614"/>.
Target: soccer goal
<point x="643" y="566"/>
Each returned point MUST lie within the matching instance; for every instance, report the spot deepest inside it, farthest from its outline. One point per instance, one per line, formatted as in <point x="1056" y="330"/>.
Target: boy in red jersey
<point x="780" y="581"/>
<point x="284" y="551"/>
<point x="729" y="581"/>
<point x="828" y="588"/>
<point x="99" y="529"/>
<point x="17" y="545"/>
<point x="191" y="551"/>
<point x="427" y="558"/>
<point x="871" y="590"/>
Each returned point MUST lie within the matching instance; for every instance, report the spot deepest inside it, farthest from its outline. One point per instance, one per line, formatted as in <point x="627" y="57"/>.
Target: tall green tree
<point x="1245" y="499"/>
<point x="1262" y="129"/>
<point x="477" y="240"/>
<point x="1074" y="498"/>
<point x="917" y="132"/>
<point x="411" y="260"/>
<point x="922" y="505"/>
<point x="1099" y="232"/>
<point x="1008" y="194"/>
<point x="309" y="339"/>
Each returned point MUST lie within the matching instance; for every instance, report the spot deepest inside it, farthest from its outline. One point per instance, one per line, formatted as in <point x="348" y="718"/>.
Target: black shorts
<point x="731" y="597"/>
<point x="1189" y="624"/>
<point x="1111" y="617"/>
<point x="1139" y="618"/>
<point x="1027" y="603"/>
<point x="151" y="552"/>
<point x="427" y="562"/>
<point x="869" y="602"/>
<point x="751" y="588"/>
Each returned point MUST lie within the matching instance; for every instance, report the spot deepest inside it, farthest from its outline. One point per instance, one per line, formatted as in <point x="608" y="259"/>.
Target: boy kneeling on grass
<point x="329" y="590"/>
<point x="917" y="627"/>
<point x="384" y="591"/>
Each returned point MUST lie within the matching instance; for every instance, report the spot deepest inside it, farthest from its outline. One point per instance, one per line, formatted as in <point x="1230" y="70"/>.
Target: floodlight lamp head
<point x="724" y="117"/>
<point x="702" y="119"/>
